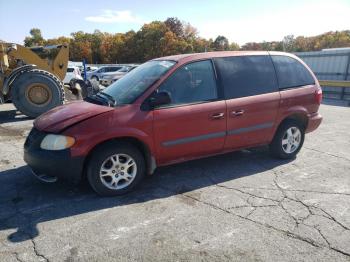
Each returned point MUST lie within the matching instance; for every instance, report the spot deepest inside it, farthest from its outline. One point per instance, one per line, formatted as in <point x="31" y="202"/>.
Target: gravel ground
<point x="239" y="206"/>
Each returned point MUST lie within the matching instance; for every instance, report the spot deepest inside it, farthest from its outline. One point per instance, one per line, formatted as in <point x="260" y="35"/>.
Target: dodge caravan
<point x="174" y="109"/>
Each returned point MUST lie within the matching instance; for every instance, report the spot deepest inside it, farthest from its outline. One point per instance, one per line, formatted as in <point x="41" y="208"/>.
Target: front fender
<point x="98" y="132"/>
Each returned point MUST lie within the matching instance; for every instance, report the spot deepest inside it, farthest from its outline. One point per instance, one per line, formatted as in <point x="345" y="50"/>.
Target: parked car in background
<point x="73" y="72"/>
<point x="88" y="69"/>
<point x="98" y="73"/>
<point x="174" y="109"/>
<point x="109" y="78"/>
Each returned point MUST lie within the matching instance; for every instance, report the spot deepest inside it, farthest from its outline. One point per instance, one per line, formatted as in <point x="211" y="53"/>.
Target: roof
<point x="198" y="56"/>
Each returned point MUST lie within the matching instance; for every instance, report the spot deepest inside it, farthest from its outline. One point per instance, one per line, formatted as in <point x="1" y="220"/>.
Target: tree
<point x="150" y="38"/>
<point x="171" y="37"/>
<point x="190" y="32"/>
<point x="233" y="46"/>
<point x="35" y="38"/>
<point x="288" y="43"/>
<point x="252" y="46"/>
<point x="175" y="26"/>
<point x="221" y="43"/>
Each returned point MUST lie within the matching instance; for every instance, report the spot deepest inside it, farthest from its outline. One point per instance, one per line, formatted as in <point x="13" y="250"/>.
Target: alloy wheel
<point x="291" y="140"/>
<point x="118" y="171"/>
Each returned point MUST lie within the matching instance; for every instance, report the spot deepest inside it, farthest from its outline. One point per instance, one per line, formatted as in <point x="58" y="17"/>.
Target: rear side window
<point x="291" y="73"/>
<point x="243" y="76"/>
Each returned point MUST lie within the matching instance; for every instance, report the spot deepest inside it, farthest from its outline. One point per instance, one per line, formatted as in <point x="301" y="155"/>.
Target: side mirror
<point x="160" y="98"/>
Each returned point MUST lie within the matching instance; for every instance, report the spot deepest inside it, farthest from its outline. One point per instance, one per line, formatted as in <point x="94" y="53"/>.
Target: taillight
<point x="318" y="96"/>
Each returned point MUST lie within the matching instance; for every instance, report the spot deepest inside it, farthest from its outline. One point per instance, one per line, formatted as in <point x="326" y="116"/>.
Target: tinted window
<point x="246" y="75"/>
<point x="291" y="73"/>
<point x="191" y="83"/>
<point x="113" y="69"/>
<point x="70" y="70"/>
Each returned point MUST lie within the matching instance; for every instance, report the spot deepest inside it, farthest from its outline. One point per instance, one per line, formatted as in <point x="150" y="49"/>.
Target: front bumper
<point x="315" y="120"/>
<point x="57" y="164"/>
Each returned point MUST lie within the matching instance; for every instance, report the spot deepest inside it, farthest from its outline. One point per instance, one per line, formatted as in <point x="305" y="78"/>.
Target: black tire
<point x="26" y="81"/>
<point x="102" y="153"/>
<point x="276" y="148"/>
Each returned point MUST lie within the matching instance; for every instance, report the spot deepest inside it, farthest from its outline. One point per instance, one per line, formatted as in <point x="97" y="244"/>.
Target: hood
<point x="64" y="116"/>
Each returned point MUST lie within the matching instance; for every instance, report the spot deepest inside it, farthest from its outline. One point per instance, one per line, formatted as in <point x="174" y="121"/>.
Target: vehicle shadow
<point x="11" y="116"/>
<point x="25" y="202"/>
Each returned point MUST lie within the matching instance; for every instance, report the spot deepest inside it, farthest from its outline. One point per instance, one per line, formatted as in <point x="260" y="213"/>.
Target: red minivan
<point x="174" y="109"/>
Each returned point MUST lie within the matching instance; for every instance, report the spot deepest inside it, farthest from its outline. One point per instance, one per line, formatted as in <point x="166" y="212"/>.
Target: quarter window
<point x="291" y="73"/>
<point x="243" y="76"/>
<point x="191" y="83"/>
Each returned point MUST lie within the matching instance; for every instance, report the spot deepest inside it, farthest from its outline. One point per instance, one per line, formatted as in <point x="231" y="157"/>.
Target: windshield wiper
<point x="109" y="98"/>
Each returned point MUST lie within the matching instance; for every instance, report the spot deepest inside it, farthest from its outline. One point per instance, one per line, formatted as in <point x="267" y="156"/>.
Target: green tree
<point x="221" y="43"/>
<point x="233" y="46"/>
<point x="35" y="38"/>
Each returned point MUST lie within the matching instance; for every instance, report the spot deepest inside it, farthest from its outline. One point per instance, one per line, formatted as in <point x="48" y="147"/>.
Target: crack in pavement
<point x="37" y="253"/>
<point x="26" y="230"/>
<point x="296" y="190"/>
<point x="285" y="232"/>
<point x="279" y="203"/>
<point x="329" y="154"/>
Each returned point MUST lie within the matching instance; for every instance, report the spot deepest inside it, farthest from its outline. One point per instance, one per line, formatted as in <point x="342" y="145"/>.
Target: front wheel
<point x="115" y="169"/>
<point x="288" y="140"/>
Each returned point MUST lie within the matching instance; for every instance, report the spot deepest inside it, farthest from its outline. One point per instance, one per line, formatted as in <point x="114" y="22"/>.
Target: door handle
<point x="217" y="116"/>
<point x="237" y="113"/>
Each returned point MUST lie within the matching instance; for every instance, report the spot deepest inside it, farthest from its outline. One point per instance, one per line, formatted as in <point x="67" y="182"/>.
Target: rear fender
<point x="294" y="110"/>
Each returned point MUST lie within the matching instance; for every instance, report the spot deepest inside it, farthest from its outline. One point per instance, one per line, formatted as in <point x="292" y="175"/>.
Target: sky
<point x="240" y="21"/>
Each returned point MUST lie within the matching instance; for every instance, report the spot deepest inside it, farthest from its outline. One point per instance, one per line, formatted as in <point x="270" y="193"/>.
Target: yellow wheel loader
<point x="34" y="84"/>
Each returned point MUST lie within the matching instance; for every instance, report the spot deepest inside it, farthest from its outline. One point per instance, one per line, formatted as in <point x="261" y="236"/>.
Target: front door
<point x="194" y="123"/>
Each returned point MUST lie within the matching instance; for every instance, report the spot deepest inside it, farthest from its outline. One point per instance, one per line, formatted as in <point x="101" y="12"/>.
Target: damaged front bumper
<point x="48" y="165"/>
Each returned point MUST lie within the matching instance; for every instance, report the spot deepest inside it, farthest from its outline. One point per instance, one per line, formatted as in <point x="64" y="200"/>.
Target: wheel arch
<point x="140" y="145"/>
<point x="299" y="116"/>
<point x="12" y="77"/>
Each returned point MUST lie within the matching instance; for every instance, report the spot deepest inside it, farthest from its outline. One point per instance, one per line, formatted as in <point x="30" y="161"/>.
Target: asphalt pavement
<point x="241" y="206"/>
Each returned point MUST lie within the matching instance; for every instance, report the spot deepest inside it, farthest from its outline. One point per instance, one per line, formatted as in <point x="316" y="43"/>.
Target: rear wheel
<point x="115" y="169"/>
<point x="36" y="91"/>
<point x="288" y="140"/>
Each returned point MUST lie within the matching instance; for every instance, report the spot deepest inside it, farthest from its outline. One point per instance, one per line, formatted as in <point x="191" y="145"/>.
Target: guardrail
<point x="333" y="89"/>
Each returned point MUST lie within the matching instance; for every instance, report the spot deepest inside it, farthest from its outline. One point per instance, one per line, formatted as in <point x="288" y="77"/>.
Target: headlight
<point x="57" y="142"/>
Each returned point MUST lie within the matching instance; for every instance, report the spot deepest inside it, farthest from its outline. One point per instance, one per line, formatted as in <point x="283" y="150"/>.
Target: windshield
<point x="133" y="84"/>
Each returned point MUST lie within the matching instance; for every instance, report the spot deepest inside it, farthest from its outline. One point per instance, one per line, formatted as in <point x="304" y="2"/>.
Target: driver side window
<point x="194" y="82"/>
